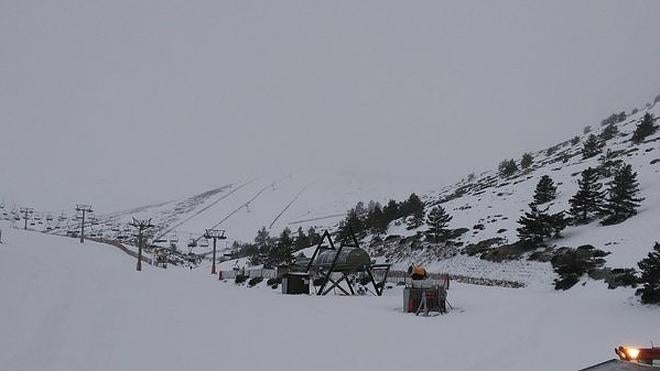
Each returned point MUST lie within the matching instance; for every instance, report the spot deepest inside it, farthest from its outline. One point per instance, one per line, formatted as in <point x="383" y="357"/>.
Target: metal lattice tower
<point x="83" y="208"/>
<point x="215" y="234"/>
<point x="141" y="226"/>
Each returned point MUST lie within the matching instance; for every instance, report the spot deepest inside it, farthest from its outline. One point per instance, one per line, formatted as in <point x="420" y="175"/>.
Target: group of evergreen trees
<point x="272" y="251"/>
<point x="375" y="219"/>
<point x="613" y="119"/>
<point x="618" y="203"/>
<point x="507" y="168"/>
<point x="615" y="205"/>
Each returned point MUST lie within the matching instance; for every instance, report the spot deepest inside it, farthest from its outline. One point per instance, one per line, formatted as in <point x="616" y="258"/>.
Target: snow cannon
<point x="417" y="272"/>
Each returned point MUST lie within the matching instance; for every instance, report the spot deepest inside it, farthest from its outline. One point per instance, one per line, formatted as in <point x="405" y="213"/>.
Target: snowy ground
<point x="68" y="306"/>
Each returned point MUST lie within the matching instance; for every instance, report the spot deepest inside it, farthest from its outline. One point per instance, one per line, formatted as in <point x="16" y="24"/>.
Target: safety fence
<point x="393" y="277"/>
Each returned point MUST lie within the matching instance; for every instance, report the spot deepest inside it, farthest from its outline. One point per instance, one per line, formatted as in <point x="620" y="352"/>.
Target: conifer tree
<point x="644" y="129"/>
<point x="263" y="246"/>
<point x="650" y="280"/>
<point x="546" y="191"/>
<point x="437" y="221"/>
<point x="507" y="168"/>
<point x="526" y="161"/>
<point x="415" y="209"/>
<point x="575" y="140"/>
<point x="622" y="201"/>
<point x="609" y="164"/>
<point x="609" y="132"/>
<point x="391" y="211"/>
<point x="588" y="201"/>
<point x="283" y="249"/>
<point x="538" y="225"/>
<point x="591" y="147"/>
<point x="314" y="237"/>
<point x="353" y="223"/>
<point x="376" y="221"/>
<point x="302" y="241"/>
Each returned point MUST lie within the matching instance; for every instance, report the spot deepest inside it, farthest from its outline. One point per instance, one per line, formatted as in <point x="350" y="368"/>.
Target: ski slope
<point x="68" y="306"/>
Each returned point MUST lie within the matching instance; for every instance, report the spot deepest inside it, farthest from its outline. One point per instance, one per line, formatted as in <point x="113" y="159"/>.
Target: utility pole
<point x="26" y="211"/>
<point x="84" y="209"/>
<point x="215" y="234"/>
<point x="141" y="226"/>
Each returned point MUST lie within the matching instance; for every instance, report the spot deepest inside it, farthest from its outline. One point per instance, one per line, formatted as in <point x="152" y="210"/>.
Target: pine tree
<point x="263" y="246"/>
<point x="609" y="164"/>
<point x="415" y="209"/>
<point x="591" y="147"/>
<point x="391" y="211"/>
<point x="437" y="221"/>
<point x="650" y="280"/>
<point x="546" y="191"/>
<point x="353" y="223"/>
<point x="644" y="129"/>
<point x="575" y="140"/>
<point x="622" y="202"/>
<point x="507" y="168"/>
<point x="526" y="161"/>
<point x="538" y="225"/>
<point x="588" y="201"/>
<point x="376" y="221"/>
<point x="609" y="132"/>
<point x="283" y="249"/>
<point x="314" y="237"/>
<point x="302" y="241"/>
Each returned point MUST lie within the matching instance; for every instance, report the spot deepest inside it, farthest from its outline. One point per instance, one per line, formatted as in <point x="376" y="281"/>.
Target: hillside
<point x="488" y="206"/>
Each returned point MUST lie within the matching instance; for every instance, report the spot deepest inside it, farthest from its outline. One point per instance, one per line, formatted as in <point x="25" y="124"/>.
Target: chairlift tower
<point x="141" y="226"/>
<point x="26" y="211"/>
<point x="215" y="234"/>
<point x="82" y="208"/>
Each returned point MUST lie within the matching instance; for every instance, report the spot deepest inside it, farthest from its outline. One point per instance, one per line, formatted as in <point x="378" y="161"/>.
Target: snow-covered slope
<point x="68" y="306"/>
<point x="493" y="205"/>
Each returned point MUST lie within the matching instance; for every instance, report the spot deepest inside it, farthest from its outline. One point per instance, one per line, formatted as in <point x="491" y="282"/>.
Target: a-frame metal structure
<point x="347" y="272"/>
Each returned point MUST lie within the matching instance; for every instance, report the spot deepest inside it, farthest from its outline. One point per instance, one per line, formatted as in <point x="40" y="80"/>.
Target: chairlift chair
<point x="204" y="242"/>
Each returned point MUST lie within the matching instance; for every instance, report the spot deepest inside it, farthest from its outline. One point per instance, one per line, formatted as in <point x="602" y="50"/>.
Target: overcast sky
<point x="128" y="102"/>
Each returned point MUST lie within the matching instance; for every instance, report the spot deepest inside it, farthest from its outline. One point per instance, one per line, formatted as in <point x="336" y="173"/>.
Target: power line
<point x="170" y="229"/>
<point x="287" y="206"/>
<point x="244" y="205"/>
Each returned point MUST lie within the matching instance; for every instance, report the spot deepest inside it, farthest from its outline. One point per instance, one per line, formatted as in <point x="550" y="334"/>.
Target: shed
<point x="295" y="283"/>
